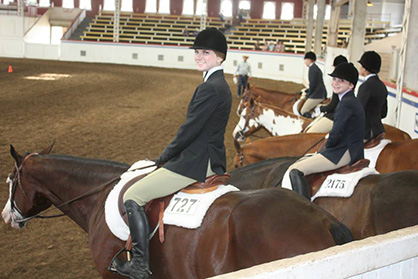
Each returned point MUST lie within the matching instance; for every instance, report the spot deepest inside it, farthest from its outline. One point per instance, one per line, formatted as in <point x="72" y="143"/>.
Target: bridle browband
<point x="16" y="181"/>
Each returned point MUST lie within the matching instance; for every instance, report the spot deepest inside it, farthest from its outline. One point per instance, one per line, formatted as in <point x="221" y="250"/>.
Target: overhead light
<point x="369" y="4"/>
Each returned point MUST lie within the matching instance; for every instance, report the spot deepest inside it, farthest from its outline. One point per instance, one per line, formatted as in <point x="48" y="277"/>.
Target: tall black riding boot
<point x="307" y="115"/>
<point x="138" y="267"/>
<point x="299" y="183"/>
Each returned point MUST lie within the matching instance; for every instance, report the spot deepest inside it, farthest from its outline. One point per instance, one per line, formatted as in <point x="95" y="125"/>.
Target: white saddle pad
<point x="295" y="108"/>
<point x="342" y="185"/>
<point x="373" y="153"/>
<point x="112" y="216"/>
<point x="316" y="112"/>
<point x="188" y="210"/>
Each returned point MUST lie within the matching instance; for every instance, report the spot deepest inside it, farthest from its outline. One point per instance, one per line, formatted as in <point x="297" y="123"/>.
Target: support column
<point x="204" y="15"/>
<point x="411" y="46"/>
<point x="116" y="21"/>
<point x="407" y="73"/>
<point x="20" y="8"/>
<point x="333" y="25"/>
<point x="358" y="30"/>
<point x="309" y="27"/>
<point x="319" y="27"/>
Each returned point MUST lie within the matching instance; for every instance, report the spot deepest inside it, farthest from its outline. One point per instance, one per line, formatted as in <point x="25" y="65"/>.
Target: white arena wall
<point x="389" y="256"/>
<point x="16" y="40"/>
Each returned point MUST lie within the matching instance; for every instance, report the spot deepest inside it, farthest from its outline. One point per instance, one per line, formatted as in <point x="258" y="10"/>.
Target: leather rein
<point x="16" y="181"/>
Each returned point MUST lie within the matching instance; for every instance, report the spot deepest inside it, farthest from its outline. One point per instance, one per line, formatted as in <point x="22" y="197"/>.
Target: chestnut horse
<point x="278" y="122"/>
<point x="240" y="229"/>
<point x="280" y="99"/>
<point x="379" y="204"/>
<point x="396" y="156"/>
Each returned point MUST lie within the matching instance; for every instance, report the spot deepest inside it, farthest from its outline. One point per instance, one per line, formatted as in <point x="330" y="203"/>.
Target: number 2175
<point x="335" y="184"/>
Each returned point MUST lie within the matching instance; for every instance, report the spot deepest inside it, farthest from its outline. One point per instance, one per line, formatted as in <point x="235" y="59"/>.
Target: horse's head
<point x="25" y="199"/>
<point x="246" y="97"/>
<point x="247" y="124"/>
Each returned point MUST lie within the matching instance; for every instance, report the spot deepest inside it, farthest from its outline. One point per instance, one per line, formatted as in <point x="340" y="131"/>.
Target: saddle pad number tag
<point x="183" y="205"/>
<point x="335" y="183"/>
<point x="342" y="185"/>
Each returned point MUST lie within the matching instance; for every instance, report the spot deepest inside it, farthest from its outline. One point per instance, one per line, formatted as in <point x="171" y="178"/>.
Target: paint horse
<point x="279" y="122"/>
<point x="241" y="229"/>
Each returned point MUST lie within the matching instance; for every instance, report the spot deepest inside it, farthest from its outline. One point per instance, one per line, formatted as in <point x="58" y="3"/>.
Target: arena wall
<point x="392" y="255"/>
<point x="276" y="66"/>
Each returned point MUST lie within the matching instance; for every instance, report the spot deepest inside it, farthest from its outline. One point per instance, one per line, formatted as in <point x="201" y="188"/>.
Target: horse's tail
<point x="340" y="233"/>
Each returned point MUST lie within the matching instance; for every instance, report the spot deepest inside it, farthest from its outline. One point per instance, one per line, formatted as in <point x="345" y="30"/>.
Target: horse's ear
<point x="15" y="155"/>
<point x="48" y="149"/>
<point x="251" y="102"/>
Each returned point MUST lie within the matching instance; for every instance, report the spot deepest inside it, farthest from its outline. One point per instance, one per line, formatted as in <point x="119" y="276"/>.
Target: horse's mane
<point x="88" y="161"/>
<point x="258" y="90"/>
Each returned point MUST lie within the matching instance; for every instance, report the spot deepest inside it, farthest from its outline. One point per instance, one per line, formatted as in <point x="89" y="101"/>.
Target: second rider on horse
<point x="345" y="142"/>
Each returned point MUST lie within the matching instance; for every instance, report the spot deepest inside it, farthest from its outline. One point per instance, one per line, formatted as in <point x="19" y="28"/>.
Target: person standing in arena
<point x="324" y="124"/>
<point x="244" y="73"/>
<point x="345" y="142"/>
<point x="316" y="92"/>
<point x="372" y="94"/>
<point x="196" y="152"/>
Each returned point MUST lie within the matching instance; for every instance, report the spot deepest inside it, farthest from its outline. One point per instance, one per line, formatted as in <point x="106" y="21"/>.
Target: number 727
<point x="183" y="205"/>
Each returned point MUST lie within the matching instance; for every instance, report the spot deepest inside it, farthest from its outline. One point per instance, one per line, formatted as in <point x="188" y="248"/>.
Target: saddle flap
<point x="122" y="192"/>
<point x="315" y="180"/>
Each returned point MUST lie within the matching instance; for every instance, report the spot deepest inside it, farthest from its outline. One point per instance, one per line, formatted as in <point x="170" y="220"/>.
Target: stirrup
<point x="116" y="262"/>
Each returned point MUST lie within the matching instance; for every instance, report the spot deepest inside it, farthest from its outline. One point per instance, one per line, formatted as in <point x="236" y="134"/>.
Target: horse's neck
<point x="69" y="178"/>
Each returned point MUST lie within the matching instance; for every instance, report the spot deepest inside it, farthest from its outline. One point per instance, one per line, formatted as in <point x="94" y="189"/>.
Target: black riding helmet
<point x="339" y="59"/>
<point x="310" y="55"/>
<point x="346" y="71"/>
<point x="211" y="38"/>
<point x="371" y="61"/>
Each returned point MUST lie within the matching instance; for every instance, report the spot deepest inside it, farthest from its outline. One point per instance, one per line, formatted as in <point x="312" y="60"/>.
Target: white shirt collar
<point x="341" y="95"/>
<point x="207" y="74"/>
<point x="369" y="76"/>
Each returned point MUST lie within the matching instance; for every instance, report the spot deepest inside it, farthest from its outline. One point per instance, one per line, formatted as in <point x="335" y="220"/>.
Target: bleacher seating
<point x="293" y="33"/>
<point x="147" y="28"/>
<point x="170" y="30"/>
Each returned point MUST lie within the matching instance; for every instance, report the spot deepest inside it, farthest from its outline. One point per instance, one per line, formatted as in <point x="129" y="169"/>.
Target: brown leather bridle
<point x="15" y="182"/>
